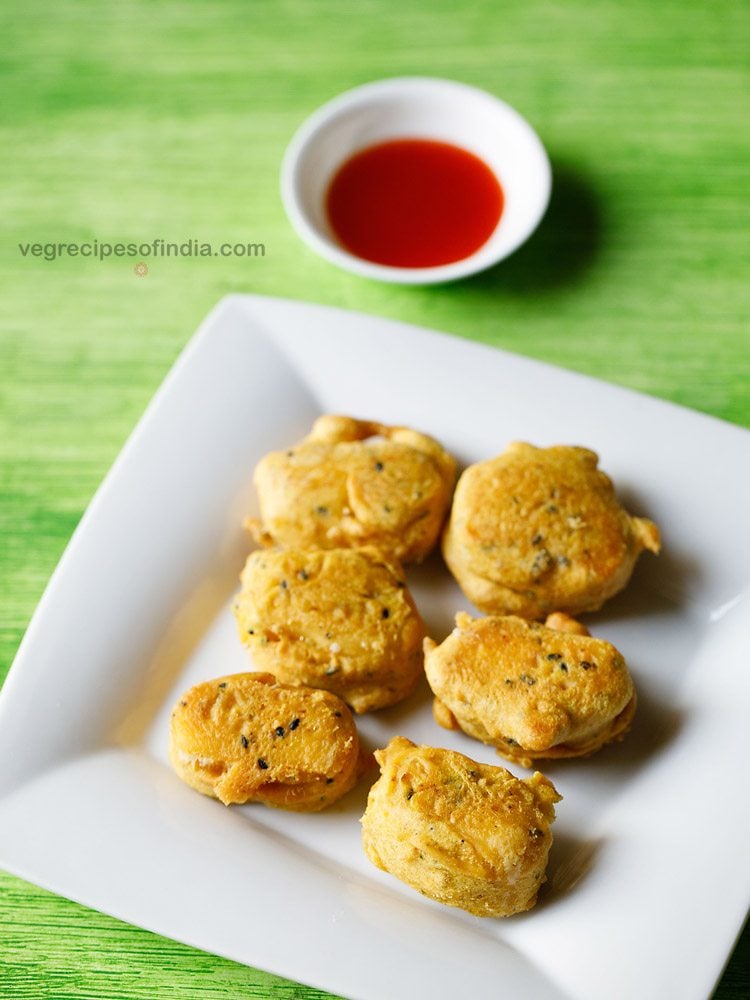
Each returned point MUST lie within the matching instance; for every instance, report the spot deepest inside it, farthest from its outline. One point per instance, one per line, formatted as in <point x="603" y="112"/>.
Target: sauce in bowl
<point x="414" y="203"/>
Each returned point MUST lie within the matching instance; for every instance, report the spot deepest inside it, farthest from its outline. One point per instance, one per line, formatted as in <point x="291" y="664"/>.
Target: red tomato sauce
<point x="414" y="203"/>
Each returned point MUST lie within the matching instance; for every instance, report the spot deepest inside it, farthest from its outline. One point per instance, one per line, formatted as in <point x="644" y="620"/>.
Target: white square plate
<point x="649" y="877"/>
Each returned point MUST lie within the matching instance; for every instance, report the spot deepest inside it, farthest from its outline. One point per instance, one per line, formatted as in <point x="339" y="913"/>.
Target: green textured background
<point x="133" y="120"/>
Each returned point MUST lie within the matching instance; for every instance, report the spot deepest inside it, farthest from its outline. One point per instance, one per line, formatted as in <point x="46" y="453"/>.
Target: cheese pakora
<point x="355" y="482"/>
<point x="465" y="834"/>
<point x="339" y="619"/>
<point x="247" y="738"/>
<point x="532" y="691"/>
<point x="537" y="530"/>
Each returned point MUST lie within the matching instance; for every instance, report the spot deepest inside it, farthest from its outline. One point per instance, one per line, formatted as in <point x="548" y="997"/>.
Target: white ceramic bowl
<point x="420" y="108"/>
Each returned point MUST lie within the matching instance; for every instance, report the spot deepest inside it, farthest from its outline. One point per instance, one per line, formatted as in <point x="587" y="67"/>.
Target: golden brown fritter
<point x="530" y="690"/>
<point x="340" y="619"/>
<point x="247" y="738"/>
<point x="355" y="482"/>
<point x="466" y="834"/>
<point x="537" y="530"/>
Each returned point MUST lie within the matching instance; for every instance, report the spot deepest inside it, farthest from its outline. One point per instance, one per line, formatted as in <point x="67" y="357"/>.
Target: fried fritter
<point x="537" y="530"/>
<point x="340" y="619"/>
<point x="355" y="482"/>
<point x="530" y="690"/>
<point x="247" y="738"/>
<point x="466" y="834"/>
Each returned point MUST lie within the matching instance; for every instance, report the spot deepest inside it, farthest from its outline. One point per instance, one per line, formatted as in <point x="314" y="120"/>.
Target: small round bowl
<point x="416" y="108"/>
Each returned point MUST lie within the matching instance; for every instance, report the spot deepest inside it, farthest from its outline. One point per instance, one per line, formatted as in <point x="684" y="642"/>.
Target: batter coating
<point x="247" y="738"/>
<point x="341" y="619"/>
<point x="537" y="530"/>
<point x="466" y="834"/>
<point x="531" y="690"/>
<point x="355" y="482"/>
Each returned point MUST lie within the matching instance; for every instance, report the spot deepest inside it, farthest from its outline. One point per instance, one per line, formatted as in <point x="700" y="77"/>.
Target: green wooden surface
<point x="132" y="120"/>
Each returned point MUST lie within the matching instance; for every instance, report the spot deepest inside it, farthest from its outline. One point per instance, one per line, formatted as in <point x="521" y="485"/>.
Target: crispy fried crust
<point x="355" y="482"/>
<point x="537" y="530"/>
<point x="341" y="619"/>
<point x="531" y="691"/>
<point x="466" y="834"/>
<point x="247" y="738"/>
